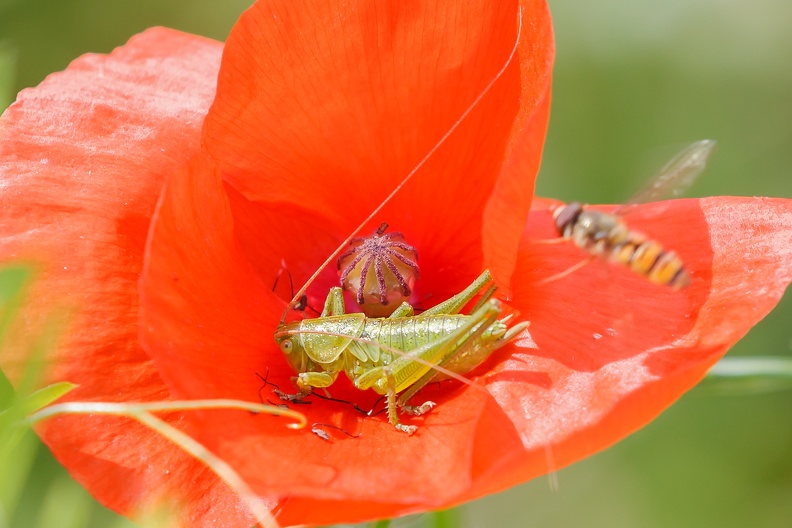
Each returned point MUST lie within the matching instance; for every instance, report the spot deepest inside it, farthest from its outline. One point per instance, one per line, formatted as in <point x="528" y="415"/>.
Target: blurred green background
<point x="634" y="82"/>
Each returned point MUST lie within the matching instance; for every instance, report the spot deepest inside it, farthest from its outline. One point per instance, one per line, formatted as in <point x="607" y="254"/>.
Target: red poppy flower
<point x="320" y="112"/>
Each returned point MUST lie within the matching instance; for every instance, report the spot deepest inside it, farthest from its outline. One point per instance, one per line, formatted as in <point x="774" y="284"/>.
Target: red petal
<point x="203" y="309"/>
<point x="507" y="210"/>
<point x="330" y="105"/>
<point x="614" y="350"/>
<point x="82" y="158"/>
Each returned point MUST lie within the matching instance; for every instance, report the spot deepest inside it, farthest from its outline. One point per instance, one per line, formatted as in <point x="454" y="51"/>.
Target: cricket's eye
<point x="286" y="346"/>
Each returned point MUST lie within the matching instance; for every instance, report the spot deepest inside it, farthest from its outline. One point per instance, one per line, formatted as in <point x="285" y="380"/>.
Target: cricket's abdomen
<point x="406" y="333"/>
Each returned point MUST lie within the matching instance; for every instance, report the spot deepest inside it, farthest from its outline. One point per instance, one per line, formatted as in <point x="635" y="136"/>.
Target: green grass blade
<point x="18" y="450"/>
<point x="6" y="392"/>
<point x="13" y="283"/>
<point x="750" y="375"/>
<point x="43" y="397"/>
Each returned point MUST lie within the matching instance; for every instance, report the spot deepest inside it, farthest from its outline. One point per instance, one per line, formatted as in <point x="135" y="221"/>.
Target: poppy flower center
<point x="379" y="270"/>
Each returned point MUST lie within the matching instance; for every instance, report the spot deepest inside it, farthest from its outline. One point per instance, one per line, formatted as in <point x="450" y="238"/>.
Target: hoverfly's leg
<point x="566" y="272"/>
<point x="458" y="301"/>
<point x="558" y="240"/>
<point x="334" y="304"/>
<point x="405" y="309"/>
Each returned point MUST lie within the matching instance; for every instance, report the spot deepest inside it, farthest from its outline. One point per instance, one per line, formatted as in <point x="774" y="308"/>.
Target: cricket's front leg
<point x="405" y="309"/>
<point x="306" y="382"/>
<point x="334" y="304"/>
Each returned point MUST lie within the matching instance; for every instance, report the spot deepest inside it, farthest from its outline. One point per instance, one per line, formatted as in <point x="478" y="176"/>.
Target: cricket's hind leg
<point x="474" y="350"/>
<point x="458" y="301"/>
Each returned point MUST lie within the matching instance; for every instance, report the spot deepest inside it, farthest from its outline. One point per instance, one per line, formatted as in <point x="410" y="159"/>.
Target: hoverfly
<point x="606" y="235"/>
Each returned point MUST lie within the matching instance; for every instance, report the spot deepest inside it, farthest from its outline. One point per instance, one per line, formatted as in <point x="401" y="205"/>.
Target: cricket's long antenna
<point x="407" y="178"/>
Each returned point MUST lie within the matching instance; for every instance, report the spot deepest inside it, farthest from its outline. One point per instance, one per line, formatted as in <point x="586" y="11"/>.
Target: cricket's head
<point x="287" y="337"/>
<point x="313" y="344"/>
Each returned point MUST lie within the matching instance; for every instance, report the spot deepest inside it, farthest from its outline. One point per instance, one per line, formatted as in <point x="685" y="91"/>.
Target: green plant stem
<point x="177" y="405"/>
<point x="142" y="413"/>
<point x="741" y="375"/>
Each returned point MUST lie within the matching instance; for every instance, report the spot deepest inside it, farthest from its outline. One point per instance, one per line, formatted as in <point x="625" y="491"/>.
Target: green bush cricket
<point x="397" y="354"/>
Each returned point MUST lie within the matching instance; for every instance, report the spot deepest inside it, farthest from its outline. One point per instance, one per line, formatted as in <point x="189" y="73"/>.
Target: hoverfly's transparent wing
<point x="677" y="175"/>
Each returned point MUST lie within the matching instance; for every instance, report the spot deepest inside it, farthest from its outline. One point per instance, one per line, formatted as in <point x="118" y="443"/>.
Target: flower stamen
<point x="379" y="271"/>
